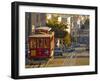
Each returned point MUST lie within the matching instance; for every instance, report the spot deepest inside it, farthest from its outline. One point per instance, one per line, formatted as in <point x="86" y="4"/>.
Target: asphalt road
<point x="69" y="59"/>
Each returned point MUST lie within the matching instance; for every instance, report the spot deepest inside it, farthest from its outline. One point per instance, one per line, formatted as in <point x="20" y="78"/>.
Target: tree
<point x="67" y="40"/>
<point x="59" y="29"/>
<point x="87" y="23"/>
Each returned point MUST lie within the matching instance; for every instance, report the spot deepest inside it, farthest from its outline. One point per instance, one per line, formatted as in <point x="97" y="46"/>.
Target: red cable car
<point x="41" y="44"/>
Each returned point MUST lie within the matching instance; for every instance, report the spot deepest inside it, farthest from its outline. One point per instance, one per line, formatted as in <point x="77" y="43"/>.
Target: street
<point x="69" y="59"/>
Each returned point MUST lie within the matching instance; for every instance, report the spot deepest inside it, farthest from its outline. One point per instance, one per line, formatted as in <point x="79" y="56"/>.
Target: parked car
<point x="58" y="51"/>
<point x="68" y="49"/>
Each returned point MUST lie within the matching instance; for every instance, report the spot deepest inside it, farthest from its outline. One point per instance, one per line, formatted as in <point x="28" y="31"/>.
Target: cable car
<point x="41" y="44"/>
